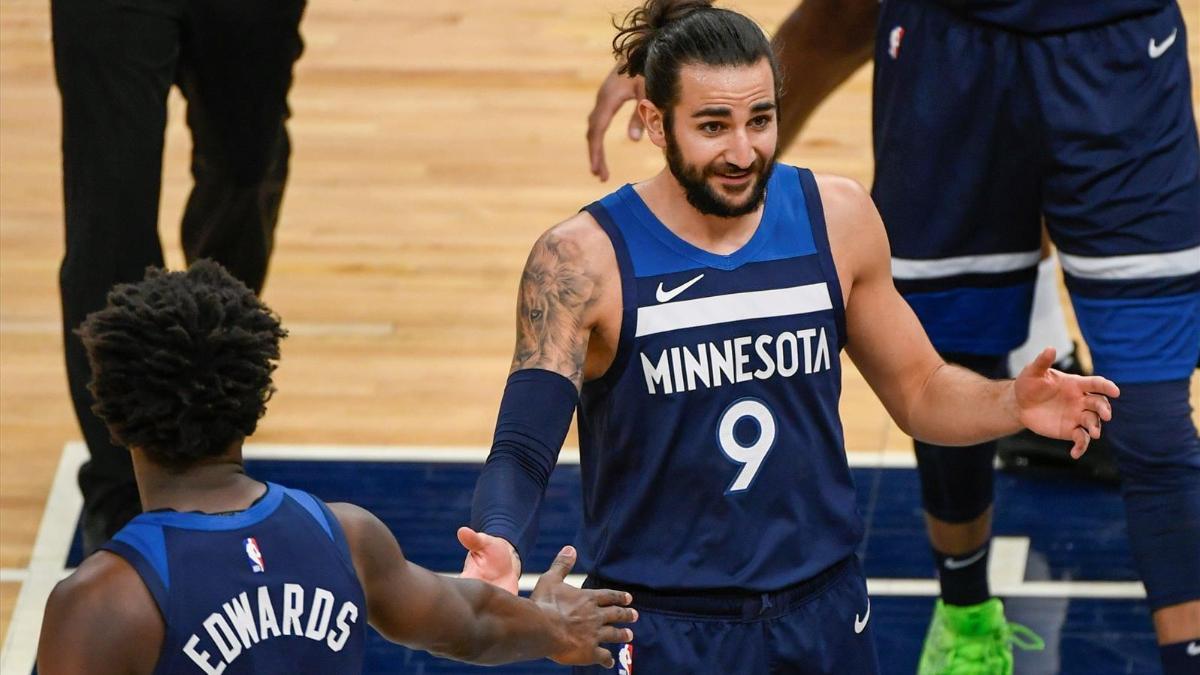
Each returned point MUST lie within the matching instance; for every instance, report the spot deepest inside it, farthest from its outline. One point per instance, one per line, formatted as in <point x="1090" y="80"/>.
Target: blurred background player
<point x="990" y="118"/>
<point x="223" y="573"/>
<point x="115" y="63"/>
<point x="696" y="319"/>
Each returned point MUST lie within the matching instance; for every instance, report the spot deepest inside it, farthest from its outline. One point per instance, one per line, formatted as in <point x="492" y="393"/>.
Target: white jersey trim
<point x="1140" y="266"/>
<point x="993" y="263"/>
<point x="719" y="309"/>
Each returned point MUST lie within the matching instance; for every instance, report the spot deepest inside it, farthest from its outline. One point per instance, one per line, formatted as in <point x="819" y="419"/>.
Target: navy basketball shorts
<point x="980" y="134"/>
<point x="822" y="625"/>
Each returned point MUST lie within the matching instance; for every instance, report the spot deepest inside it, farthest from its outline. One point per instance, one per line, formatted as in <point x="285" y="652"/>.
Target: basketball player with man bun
<point x="695" y="319"/>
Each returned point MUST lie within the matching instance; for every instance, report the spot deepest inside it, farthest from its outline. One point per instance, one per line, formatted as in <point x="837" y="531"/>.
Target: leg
<point x="960" y="200"/>
<point x="114" y="65"/>
<point x="235" y="70"/>
<point x="1125" y="215"/>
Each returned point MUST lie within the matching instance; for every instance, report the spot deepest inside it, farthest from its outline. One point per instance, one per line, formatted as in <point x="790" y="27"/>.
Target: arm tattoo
<point x="556" y="291"/>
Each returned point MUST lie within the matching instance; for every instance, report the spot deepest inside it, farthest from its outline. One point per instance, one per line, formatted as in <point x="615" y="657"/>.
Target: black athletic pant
<point x="115" y="62"/>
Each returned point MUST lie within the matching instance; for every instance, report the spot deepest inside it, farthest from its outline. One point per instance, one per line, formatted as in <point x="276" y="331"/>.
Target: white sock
<point x="1047" y="323"/>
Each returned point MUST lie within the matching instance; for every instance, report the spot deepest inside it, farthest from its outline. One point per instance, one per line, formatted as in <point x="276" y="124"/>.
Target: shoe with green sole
<point x="973" y="640"/>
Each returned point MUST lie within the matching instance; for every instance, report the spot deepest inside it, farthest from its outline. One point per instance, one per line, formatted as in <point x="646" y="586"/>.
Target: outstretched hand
<point x="587" y="617"/>
<point x="490" y="559"/>
<point x="614" y="92"/>
<point x="1058" y="405"/>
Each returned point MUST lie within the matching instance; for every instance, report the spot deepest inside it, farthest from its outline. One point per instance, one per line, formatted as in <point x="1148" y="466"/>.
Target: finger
<point x="635" y="126"/>
<point x="1101" y="385"/>
<point x="1081" y="439"/>
<point x="1099" y="405"/>
<point x="598" y="122"/>
<point x="1043" y="362"/>
<point x="603" y="657"/>
<point x="614" y="635"/>
<point x="470" y="539"/>
<point x="1091" y="423"/>
<point x="607" y="598"/>
<point x="563" y="562"/>
<point x="618" y="615"/>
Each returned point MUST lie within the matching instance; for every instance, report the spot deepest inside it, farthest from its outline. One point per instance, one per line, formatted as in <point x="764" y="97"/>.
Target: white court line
<point x="64" y="502"/>
<point x="45" y="564"/>
<point x="460" y="454"/>
<point x="9" y="575"/>
<point x="348" y="329"/>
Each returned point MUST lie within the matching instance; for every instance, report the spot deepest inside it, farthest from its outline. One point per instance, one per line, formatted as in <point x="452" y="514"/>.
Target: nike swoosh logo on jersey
<point x="952" y="564"/>
<point x="1157" y="50"/>
<point x="667" y="296"/>
<point x="1193" y="649"/>
<point x="860" y="624"/>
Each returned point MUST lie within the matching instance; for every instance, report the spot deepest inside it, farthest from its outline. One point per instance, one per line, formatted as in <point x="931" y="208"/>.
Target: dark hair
<point x="182" y="362"/>
<point x="662" y="36"/>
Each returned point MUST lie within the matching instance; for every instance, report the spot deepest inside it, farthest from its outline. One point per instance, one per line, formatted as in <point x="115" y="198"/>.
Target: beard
<point x="707" y="199"/>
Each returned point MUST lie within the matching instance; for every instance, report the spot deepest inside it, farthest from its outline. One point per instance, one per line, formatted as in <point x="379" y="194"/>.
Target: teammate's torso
<point x="271" y="589"/>
<point x="1046" y="16"/>
<point x="712" y="450"/>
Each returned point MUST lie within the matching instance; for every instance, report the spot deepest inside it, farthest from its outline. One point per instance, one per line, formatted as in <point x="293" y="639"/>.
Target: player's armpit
<point x="557" y="305"/>
<point x="100" y="620"/>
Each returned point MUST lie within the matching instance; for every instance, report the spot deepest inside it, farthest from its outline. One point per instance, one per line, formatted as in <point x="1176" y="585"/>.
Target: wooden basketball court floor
<point x="433" y="142"/>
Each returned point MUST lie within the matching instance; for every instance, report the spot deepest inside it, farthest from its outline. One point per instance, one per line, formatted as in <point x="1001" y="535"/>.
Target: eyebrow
<point x="726" y="111"/>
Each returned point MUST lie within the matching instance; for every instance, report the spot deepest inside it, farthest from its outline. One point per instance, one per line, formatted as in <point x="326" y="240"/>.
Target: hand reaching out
<point x="1058" y="405"/>
<point x="614" y="92"/>
<point x="587" y="617"/>
<point x="490" y="559"/>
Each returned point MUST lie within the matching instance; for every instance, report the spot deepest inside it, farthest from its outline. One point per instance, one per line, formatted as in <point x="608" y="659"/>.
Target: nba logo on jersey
<point x="894" y="39"/>
<point x="625" y="660"/>
<point x="257" y="564"/>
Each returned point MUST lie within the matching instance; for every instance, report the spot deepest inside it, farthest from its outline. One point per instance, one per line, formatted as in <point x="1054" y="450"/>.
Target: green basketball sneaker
<point x="973" y="640"/>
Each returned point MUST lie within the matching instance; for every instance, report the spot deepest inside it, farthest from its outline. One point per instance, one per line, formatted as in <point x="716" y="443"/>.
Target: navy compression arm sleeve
<point x="535" y="415"/>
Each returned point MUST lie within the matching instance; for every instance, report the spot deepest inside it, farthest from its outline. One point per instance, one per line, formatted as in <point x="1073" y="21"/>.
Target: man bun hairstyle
<point x="660" y="37"/>
<point x="182" y="362"/>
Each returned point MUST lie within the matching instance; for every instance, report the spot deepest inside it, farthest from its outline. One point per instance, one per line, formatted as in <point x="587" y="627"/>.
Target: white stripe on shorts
<point x="993" y="263"/>
<point x="717" y="309"/>
<point x="1141" y="266"/>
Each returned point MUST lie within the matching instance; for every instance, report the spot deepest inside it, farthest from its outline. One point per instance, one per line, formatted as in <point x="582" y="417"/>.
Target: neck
<point x="668" y="200"/>
<point x="213" y="486"/>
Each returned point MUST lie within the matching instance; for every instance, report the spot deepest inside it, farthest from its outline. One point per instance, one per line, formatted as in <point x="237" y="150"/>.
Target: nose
<point x="740" y="152"/>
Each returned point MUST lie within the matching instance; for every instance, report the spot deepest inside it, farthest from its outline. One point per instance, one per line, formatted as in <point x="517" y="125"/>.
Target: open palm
<point x="490" y="559"/>
<point x="1058" y="405"/>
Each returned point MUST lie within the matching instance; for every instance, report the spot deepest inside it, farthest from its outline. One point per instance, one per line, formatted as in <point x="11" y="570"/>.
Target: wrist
<point x="1010" y="405"/>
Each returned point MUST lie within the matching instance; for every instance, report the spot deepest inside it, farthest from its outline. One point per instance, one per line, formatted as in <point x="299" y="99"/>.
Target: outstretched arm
<point x="567" y="285"/>
<point x="930" y="399"/>
<point x="474" y="621"/>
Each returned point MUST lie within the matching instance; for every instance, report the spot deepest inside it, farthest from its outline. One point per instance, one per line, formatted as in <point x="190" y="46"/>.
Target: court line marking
<point x="64" y="502"/>
<point x="302" y="329"/>
<point x="463" y="454"/>
<point x="50" y="550"/>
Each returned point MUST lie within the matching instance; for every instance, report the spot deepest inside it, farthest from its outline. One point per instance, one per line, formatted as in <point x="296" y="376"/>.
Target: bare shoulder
<point x="570" y="288"/>
<point x="856" y="234"/>
<point x="94" y="615"/>
<point x="578" y="239"/>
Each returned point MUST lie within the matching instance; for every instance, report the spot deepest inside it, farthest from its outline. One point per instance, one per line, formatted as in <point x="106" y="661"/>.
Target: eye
<point x="535" y="314"/>
<point x="761" y="121"/>
<point x="711" y="127"/>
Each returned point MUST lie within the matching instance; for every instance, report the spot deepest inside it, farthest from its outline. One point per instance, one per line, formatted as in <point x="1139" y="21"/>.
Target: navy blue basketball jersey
<point x="271" y="589"/>
<point x="712" y="451"/>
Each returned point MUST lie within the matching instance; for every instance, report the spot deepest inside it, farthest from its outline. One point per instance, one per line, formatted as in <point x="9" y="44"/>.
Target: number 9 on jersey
<point x="738" y="446"/>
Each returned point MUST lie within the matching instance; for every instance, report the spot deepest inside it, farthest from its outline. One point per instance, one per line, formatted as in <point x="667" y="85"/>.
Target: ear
<point x="654" y="122"/>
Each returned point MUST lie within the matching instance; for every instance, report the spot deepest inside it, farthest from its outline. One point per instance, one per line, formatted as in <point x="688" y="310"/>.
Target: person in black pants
<point x="115" y="61"/>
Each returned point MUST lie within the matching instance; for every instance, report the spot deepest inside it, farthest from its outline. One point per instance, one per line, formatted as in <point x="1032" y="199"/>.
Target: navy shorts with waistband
<point x="980" y="133"/>
<point x="822" y="625"/>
